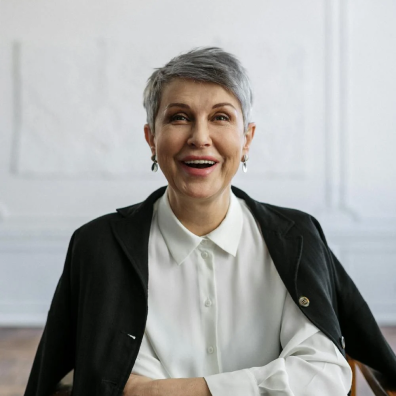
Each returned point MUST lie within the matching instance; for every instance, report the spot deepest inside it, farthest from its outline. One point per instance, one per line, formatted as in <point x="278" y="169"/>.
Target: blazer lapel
<point x="285" y="247"/>
<point x="132" y="232"/>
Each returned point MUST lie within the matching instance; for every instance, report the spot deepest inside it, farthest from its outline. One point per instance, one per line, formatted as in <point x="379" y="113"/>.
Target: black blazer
<point x="98" y="314"/>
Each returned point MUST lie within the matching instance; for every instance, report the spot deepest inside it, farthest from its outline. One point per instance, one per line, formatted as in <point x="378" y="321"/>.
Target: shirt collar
<point x="181" y="242"/>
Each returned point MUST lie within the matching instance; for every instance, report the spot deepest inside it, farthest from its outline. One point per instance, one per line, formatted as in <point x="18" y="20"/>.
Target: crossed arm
<point x="309" y="362"/>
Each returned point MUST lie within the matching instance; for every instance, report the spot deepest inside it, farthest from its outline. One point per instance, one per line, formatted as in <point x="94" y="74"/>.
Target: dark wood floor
<point x="18" y="346"/>
<point x="17" y="349"/>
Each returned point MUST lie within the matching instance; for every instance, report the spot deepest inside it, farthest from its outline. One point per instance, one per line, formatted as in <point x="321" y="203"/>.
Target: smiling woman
<point x="243" y="298"/>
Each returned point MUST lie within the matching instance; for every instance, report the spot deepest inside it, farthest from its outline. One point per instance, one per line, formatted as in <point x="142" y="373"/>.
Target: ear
<point x="150" y="138"/>
<point x="249" y="137"/>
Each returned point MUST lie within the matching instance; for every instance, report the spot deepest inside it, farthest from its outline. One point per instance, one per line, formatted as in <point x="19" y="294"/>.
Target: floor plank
<point x="18" y="347"/>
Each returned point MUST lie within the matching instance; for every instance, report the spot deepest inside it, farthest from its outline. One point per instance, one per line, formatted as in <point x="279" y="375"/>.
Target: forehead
<point x="196" y="93"/>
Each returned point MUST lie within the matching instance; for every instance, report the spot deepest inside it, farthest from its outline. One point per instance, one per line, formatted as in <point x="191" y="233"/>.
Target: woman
<point x="243" y="298"/>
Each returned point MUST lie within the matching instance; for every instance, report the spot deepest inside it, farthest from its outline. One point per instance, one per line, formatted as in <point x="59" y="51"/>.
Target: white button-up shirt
<point x="219" y="310"/>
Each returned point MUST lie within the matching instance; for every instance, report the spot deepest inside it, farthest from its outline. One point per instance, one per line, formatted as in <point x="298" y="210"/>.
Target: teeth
<point x="199" y="162"/>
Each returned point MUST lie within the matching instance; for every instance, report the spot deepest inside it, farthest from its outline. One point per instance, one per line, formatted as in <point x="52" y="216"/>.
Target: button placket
<point x="205" y="255"/>
<point x="208" y="305"/>
<point x="210" y="350"/>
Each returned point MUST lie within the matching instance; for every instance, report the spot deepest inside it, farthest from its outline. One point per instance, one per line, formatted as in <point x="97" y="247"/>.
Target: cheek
<point x="233" y="147"/>
<point x="168" y="147"/>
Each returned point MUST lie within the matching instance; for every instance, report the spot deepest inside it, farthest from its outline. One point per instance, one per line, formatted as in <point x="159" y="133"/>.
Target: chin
<point x="199" y="191"/>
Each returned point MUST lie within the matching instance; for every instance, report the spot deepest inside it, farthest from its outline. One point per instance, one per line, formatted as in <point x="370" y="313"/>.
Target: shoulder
<point x="304" y="222"/>
<point x="98" y="231"/>
<point x="282" y="219"/>
<point x="298" y="216"/>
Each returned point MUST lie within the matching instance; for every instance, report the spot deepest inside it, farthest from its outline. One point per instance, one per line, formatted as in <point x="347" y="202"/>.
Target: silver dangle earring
<point x="244" y="162"/>
<point x="154" y="167"/>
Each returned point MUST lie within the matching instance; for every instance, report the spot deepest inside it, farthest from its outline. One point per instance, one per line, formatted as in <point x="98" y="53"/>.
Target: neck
<point x="200" y="216"/>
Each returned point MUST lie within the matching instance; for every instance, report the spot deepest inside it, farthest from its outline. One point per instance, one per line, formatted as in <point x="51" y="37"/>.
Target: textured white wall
<point x="71" y="138"/>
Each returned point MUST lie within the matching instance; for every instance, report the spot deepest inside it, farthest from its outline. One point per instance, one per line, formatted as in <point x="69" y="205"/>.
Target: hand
<point x="138" y="385"/>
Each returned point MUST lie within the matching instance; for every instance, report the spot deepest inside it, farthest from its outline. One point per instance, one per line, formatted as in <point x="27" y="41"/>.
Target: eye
<point x="221" y="117"/>
<point x="178" y="117"/>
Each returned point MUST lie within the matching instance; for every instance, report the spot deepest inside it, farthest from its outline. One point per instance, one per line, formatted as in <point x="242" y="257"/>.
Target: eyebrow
<point x="185" y="106"/>
<point x="223" y="104"/>
<point x="177" y="105"/>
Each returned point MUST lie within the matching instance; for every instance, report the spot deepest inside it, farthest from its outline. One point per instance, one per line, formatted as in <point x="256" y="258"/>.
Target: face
<point x="199" y="138"/>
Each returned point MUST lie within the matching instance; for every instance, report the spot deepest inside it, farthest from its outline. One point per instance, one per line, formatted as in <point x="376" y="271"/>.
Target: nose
<point x="199" y="135"/>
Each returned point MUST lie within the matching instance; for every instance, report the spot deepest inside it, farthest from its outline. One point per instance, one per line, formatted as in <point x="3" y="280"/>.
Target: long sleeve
<point x="309" y="364"/>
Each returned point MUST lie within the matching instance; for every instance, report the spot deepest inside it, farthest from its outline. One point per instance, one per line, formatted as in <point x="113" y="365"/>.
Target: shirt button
<point x="210" y="350"/>
<point x="208" y="302"/>
<point x="204" y="254"/>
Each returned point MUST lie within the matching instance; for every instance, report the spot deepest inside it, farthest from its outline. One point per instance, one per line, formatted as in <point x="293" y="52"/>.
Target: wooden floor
<point x="18" y="346"/>
<point x="17" y="349"/>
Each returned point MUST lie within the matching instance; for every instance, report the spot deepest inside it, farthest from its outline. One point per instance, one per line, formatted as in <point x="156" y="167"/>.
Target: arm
<point x="55" y="353"/>
<point x="308" y="364"/>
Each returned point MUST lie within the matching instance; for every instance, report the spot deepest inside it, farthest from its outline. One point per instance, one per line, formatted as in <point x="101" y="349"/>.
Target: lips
<point x="199" y="166"/>
<point x="199" y="162"/>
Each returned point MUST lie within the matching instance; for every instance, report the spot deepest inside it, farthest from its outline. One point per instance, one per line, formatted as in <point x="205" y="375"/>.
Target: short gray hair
<point x="208" y="64"/>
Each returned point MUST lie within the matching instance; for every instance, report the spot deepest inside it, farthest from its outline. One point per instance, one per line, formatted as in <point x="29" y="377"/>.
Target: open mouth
<point x="200" y="164"/>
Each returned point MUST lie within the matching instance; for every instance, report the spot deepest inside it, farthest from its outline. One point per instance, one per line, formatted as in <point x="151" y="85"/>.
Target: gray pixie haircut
<point x="208" y="64"/>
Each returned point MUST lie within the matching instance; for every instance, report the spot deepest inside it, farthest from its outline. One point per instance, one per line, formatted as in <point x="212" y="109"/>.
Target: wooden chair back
<point x="378" y="386"/>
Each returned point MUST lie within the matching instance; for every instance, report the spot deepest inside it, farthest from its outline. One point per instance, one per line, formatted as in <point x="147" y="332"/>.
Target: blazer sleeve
<point x="363" y="338"/>
<point x="55" y="355"/>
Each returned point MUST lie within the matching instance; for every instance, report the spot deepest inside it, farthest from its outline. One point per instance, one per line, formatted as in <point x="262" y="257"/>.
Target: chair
<point x="377" y="384"/>
<point x="65" y="386"/>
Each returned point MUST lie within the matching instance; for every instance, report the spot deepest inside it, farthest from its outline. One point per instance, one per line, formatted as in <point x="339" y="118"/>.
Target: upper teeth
<point x="200" y="162"/>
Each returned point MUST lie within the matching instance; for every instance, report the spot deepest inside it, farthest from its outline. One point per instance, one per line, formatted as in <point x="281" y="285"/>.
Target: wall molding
<point x="336" y="131"/>
<point x="4" y="212"/>
<point x="17" y="105"/>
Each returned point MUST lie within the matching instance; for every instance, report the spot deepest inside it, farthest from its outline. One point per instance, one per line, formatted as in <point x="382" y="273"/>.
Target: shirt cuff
<point x="236" y="383"/>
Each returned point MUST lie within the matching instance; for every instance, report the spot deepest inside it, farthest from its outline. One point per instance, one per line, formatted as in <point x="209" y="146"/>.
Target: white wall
<point x="71" y="139"/>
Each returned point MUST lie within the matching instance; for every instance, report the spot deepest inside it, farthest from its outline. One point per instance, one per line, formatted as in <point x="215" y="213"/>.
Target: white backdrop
<point x="72" y="75"/>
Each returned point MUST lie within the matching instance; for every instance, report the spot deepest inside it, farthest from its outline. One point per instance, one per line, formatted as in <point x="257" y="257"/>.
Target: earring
<point x="154" y="167"/>
<point x="244" y="162"/>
